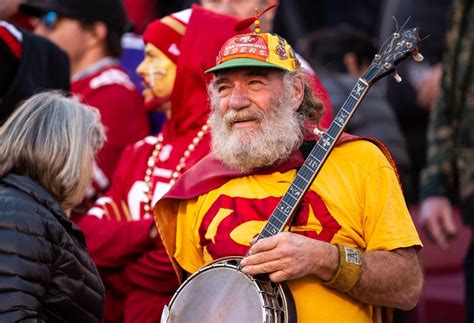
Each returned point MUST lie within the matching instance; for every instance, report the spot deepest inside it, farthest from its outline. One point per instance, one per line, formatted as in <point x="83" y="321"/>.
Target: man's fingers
<point x="262" y="268"/>
<point x="263" y="245"/>
<point x="447" y="222"/>
<point x="435" y="232"/>
<point x="260" y="258"/>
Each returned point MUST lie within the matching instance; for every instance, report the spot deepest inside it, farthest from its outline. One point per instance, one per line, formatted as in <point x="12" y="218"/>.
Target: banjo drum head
<point x="218" y="294"/>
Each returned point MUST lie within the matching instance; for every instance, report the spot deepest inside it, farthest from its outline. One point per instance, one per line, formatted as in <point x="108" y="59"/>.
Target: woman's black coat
<point x="46" y="273"/>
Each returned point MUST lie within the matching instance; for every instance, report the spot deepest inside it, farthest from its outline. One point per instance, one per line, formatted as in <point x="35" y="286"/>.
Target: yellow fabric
<point x="359" y="188"/>
<point x="291" y="63"/>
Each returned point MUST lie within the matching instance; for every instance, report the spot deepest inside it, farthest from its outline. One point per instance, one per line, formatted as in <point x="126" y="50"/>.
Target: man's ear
<point x="299" y="86"/>
<point x="99" y="32"/>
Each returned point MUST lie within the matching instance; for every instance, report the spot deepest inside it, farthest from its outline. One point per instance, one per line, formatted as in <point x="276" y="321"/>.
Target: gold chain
<point x="148" y="190"/>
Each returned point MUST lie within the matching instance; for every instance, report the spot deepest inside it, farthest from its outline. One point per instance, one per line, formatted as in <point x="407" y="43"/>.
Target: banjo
<point x="220" y="292"/>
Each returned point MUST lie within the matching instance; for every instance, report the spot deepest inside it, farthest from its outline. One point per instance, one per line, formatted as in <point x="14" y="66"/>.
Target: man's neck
<point x="95" y="67"/>
<point x="89" y="58"/>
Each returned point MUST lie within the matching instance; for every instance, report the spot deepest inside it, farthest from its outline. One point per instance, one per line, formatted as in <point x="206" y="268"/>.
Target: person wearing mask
<point x="46" y="151"/>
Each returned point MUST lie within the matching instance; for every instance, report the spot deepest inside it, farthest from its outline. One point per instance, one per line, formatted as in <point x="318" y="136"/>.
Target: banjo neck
<point x="288" y="205"/>
<point x="396" y="49"/>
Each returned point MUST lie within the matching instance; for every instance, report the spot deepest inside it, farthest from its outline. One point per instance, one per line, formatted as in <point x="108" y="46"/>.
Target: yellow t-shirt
<point x="355" y="200"/>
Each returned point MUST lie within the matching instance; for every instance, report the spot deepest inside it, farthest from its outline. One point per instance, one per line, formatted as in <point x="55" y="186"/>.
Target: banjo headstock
<point x="397" y="48"/>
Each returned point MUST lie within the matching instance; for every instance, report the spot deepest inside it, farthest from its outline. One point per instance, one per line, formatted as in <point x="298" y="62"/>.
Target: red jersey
<point x="107" y="87"/>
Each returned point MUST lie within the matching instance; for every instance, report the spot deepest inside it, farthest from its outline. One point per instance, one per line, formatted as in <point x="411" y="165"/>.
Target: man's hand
<point x="288" y="256"/>
<point x="389" y="278"/>
<point x="436" y="217"/>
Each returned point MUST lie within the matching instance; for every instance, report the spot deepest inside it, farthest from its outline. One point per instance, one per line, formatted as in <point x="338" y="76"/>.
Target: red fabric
<point x="163" y="37"/>
<point x="21" y="20"/>
<point x="322" y="94"/>
<point x="141" y="13"/>
<point x="136" y="269"/>
<point x="121" y="108"/>
<point x="10" y="40"/>
<point x="196" y="53"/>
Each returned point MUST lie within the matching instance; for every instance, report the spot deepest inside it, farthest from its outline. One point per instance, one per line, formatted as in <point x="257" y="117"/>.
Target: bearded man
<point x="352" y="246"/>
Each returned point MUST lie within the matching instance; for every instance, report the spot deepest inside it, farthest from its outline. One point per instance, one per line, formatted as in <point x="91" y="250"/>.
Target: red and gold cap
<point x="256" y="49"/>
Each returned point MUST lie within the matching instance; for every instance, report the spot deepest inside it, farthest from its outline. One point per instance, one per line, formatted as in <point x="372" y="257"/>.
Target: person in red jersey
<point x="242" y="9"/>
<point x="90" y="31"/>
<point x="119" y="228"/>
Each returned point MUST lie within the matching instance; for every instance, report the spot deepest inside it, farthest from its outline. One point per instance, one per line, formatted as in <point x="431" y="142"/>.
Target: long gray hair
<point x="53" y="140"/>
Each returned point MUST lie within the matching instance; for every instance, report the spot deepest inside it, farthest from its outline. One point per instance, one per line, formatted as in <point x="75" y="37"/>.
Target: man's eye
<point x="256" y="84"/>
<point x="222" y="89"/>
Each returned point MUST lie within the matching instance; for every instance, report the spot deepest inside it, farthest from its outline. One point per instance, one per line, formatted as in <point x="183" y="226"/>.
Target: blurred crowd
<point x="141" y="63"/>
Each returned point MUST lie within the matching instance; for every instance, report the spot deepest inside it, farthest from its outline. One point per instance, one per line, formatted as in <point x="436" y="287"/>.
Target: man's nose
<point x="140" y="69"/>
<point x="238" y="99"/>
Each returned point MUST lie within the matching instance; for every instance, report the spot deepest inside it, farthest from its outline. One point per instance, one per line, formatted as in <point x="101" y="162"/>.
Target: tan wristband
<point x="349" y="270"/>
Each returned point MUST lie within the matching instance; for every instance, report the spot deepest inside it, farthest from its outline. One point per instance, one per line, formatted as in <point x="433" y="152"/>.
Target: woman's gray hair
<point x="53" y="140"/>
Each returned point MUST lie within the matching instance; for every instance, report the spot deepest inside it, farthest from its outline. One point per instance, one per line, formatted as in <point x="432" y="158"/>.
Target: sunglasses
<point x="49" y="20"/>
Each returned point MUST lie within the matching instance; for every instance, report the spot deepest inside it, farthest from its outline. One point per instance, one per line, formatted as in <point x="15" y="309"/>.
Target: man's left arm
<point x="387" y="278"/>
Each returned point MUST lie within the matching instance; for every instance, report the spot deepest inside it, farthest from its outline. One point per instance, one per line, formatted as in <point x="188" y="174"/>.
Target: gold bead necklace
<point x="148" y="190"/>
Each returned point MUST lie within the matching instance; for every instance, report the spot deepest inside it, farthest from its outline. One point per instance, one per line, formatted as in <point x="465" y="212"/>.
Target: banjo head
<point x="220" y="292"/>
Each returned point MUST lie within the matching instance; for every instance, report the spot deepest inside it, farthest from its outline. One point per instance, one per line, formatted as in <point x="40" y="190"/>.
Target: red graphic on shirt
<point x="243" y="210"/>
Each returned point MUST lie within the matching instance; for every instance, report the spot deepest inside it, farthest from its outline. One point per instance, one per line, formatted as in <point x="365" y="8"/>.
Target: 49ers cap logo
<point x="246" y="39"/>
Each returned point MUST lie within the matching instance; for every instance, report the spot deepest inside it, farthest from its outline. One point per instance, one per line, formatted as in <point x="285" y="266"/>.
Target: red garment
<point x="141" y="13"/>
<point x="320" y="92"/>
<point x="135" y="269"/>
<point x="110" y="90"/>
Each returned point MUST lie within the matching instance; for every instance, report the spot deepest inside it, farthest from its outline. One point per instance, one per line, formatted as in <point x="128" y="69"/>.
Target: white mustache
<point x="232" y="116"/>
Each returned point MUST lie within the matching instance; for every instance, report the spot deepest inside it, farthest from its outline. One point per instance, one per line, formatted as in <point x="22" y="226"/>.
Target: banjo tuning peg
<point x="397" y="77"/>
<point x="418" y="57"/>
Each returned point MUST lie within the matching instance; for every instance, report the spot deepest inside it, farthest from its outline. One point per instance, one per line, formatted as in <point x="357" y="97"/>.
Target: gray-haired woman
<point x="47" y="148"/>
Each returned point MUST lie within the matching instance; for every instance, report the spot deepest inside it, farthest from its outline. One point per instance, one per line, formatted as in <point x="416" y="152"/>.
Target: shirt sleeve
<point x="387" y="224"/>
